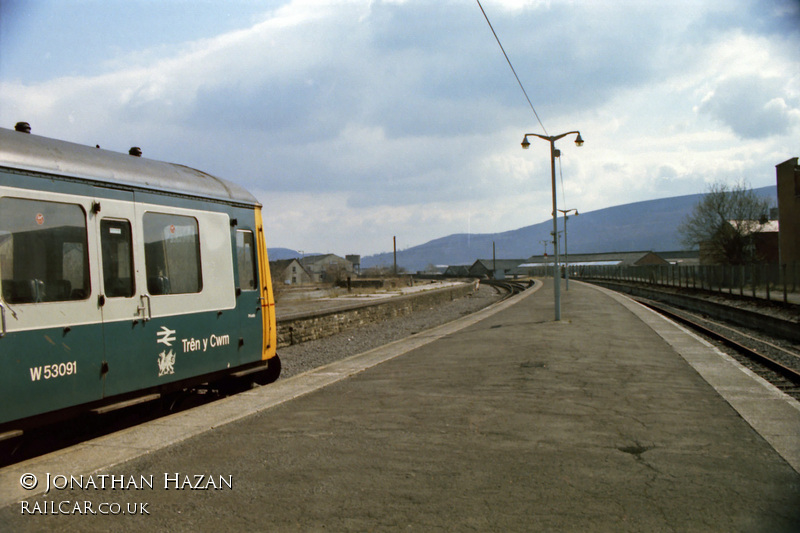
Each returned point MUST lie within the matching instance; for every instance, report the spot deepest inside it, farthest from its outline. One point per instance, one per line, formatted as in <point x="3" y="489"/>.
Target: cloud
<point x="754" y="107"/>
<point x="404" y="118"/>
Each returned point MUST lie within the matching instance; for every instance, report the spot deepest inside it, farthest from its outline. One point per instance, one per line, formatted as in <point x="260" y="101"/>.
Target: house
<point x="327" y="268"/>
<point x="495" y="268"/>
<point x="288" y="272"/>
<point x="766" y="242"/>
<point x="761" y="246"/>
<point x="681" y="257"/>
<point x="457" y="271"/>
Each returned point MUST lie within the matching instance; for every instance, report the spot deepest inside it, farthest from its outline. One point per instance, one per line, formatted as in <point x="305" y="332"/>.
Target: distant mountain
<point x="276" y="254"/>
<point x="642" y="226"/>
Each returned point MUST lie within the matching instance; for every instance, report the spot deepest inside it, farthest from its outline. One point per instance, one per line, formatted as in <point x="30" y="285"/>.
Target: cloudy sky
<point x="356" y="121"/>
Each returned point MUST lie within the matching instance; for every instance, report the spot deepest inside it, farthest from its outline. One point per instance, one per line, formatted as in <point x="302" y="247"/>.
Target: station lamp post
<point x="545" y="246"/>
<point x="566" y="212"/>
<point x="552" y="140"/>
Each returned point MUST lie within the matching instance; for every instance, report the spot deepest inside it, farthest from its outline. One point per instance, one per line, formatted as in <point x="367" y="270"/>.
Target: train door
<point x="119" y="299"/>
<point x="248" y="296"/>
<point x="50" y="332"/>
<point x="187" y="273"/>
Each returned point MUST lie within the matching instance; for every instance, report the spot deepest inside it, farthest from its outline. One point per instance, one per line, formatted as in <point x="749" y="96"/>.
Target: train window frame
<point x="117" y="258"/>
<point x="247" y="267"/>
<point x="52" y="268"/>
<point x="217" y="254"/>
<point x="162" y="257"/>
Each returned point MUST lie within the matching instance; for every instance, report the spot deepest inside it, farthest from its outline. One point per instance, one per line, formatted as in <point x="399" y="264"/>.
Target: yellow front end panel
<point x="267" y="300"/>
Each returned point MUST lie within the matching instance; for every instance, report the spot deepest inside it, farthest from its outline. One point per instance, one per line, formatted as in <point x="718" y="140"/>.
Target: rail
<point x="786" y="365"/>
<point x="511" y="287"/>
<point x="777" y="322"/>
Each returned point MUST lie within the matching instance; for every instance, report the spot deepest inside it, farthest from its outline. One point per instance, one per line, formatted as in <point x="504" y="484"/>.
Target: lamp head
<point x="579" y="140"/>
<point x="525" y="143"/>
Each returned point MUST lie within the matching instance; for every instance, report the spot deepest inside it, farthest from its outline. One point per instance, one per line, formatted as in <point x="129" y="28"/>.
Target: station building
<point x="788" y="177"/>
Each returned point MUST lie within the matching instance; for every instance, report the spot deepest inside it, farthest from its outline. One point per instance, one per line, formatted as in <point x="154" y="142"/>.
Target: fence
<point x="771" y="282"/>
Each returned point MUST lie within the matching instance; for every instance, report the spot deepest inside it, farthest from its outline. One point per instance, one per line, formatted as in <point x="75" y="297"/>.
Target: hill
<point x="641" y="226"/>
<point x="276" y="254"/>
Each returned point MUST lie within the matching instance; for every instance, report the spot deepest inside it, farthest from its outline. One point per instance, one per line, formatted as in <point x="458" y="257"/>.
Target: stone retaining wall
<point x="309" y="326"/>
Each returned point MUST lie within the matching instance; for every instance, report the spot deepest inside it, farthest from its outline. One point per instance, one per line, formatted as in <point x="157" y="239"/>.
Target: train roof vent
<point x="24" y="127"/>
<point x="135" y="151"/>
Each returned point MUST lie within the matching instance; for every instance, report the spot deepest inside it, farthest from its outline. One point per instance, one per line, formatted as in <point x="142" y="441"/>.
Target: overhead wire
<point x="561" y="174"/>
<point x="512" y="67"/>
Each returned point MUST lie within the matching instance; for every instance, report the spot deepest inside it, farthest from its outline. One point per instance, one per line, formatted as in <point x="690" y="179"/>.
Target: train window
<point x="172" y="254"/>
<point x="115" y="240"/>
<point x="246" y="257"/>
<point x="43" y="251"/>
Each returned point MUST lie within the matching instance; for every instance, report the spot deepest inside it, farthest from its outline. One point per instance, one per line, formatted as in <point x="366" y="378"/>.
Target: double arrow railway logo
<point x="166" y="360"/>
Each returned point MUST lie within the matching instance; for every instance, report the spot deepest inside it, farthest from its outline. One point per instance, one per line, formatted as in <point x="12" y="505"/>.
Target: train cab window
<point x="172" y="254"/>
<point x="43" y="251"/>
<point x="246" y="258"/>
<point x="115" y="241"/>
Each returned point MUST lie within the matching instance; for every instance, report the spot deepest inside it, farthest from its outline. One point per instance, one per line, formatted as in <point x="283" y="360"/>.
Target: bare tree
<point x="334" y="273"/>
<point x="724" y="222"/>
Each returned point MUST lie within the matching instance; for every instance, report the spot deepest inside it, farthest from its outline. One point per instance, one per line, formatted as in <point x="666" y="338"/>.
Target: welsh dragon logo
<point x="166" y="363"/>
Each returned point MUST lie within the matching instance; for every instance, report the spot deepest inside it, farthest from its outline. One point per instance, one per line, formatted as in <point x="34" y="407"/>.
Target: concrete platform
<point x="506" y="421"/>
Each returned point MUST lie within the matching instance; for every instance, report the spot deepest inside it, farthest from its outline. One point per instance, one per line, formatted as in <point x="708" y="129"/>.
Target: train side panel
<point x="51" y="351"/>
<point x="106" y="292"/>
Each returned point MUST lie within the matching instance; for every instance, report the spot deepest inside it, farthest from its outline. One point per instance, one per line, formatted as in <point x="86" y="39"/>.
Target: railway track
<point x="510" y="287"/>
<point x="774" y="359"/>
<point x="780" y="321"/>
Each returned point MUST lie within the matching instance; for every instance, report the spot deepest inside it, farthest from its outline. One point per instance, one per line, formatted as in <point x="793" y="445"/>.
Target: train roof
<point x="23" y="151"/>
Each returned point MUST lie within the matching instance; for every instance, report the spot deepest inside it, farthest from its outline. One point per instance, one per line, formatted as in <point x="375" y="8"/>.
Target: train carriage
<point x="122" y="277"/>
